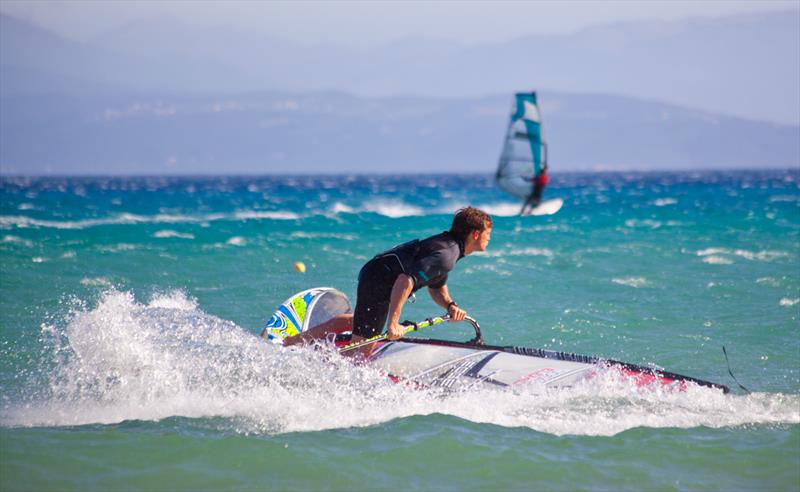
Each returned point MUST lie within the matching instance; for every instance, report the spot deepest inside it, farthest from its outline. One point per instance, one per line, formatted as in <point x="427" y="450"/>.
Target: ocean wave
<point x="387" y="208"/>
<point x="322" y="235"/>
<point x="643" y="224"/>
<point x="96" y="281"/>
<point x="341" y="208"/>
<point x="663" y="202"/>
<point x="518" y="252"/>
<point x="395" y="209"/>
<point x="236" y="241"/>
<point x="167" y="233"/>
<point x="17" y="240"/>
<point x="788" y="302"/>
<point x="22" y="221"/>
<point x="117" y="248"/>
<point x="384" y="206"/>
<point x="717" y="260"/>
<point x="257" y="215"/>
<point x="635" y="282"/>
<point x="784" y="198"/>
<point x="743" y="253"/>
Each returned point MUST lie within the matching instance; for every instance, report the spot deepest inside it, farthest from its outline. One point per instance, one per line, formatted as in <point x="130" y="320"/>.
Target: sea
<point x="131" y="311"/>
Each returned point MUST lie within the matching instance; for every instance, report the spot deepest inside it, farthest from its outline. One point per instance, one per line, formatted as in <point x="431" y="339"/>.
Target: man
<point x="533" y="200"/>
<point x="387" y="280"/>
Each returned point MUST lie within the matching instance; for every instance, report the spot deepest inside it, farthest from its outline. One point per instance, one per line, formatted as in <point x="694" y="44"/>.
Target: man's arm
<point x="441" y="296"/>
<point x="400" y="291"/>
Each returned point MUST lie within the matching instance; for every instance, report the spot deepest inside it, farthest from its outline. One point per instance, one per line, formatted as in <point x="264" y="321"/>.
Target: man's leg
<point x="536" y="198"/>
<point x="338" y="324"/>
<point x="526" y="206"/>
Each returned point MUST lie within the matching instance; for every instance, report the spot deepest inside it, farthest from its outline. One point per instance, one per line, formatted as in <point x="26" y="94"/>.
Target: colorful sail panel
<point x="524" y="152"/>
<point x="305" y="310"/>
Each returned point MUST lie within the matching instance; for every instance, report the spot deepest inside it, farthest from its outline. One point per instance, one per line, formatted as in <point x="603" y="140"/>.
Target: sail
<point x="305" y="310"/>
<point x="524" y="151"/>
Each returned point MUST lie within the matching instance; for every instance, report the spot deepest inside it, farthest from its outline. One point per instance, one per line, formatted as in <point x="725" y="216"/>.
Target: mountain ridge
<point x="334" y="132"/>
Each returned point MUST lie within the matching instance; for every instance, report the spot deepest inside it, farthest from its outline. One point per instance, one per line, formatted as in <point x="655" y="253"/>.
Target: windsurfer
<point x="388" y="279"/>
<point x="538" y="184"/>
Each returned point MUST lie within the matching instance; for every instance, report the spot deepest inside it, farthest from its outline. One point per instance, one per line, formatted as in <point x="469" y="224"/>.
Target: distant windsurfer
<point x="535" y="198"/>
<point x="386" y="281"/>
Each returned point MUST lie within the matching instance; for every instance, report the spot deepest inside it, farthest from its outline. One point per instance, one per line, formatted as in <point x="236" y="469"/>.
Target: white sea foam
<point x="340" y="207"/>
<point x="784" y="198"/>
<point x="236" y="241"/>
<point x="96" y="281"/>
<point x="717" y="260"/>
<point x="766" y="256"/>
<point x="260" y="214"/>
<point x="711" y="251"/>
<point x="397" y="209"/>
<point x="116" y="248"/>
<point x="22" y="221"/>
<point x="643" y="224"/>
<point x="663" y="202"/>
<point x="788" y="302"/>
<point x="542" y="227"/>
<point x="394" y="209"/>
<point x="518" y="252"/>
<point x="17" y="240"/>
<point x="167" y="233"/>
<point x="173" y="300"/>
<point x="635" y="282"/>
<point x="325" y="235"/>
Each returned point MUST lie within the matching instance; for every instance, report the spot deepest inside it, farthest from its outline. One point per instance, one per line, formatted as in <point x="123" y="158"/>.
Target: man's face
<point x="483" y="239"/>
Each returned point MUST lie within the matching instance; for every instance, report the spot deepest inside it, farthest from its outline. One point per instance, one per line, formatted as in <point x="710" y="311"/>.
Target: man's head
<point x="473" y="227"/>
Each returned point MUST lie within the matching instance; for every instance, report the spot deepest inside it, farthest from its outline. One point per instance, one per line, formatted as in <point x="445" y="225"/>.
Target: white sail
<point x="524" y="152"/>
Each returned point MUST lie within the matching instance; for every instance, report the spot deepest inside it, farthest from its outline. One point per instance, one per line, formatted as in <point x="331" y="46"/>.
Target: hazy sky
<point x="352" y="22"/>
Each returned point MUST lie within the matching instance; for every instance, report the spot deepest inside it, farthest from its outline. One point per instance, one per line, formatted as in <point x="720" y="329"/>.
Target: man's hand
<point x="395" y="331"/>
<point x="456" y="313"/>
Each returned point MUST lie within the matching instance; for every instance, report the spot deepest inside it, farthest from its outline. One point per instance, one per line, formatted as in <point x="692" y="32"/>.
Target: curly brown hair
<point x="469" y="219"/>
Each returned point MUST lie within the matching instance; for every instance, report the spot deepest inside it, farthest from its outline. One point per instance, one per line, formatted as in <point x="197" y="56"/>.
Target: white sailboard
<point x="463" y="365"/>
<point x="547" y="207"/>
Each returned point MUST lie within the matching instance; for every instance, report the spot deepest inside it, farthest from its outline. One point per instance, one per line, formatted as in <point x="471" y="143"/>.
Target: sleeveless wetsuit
<point x="427" y="262"/>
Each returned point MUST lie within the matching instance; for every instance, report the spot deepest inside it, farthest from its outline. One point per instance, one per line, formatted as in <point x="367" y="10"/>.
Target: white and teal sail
<point x="524" y="150"/>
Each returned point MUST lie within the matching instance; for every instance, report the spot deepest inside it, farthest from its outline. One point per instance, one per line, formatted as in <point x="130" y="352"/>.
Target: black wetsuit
<point x="427" y="262"/>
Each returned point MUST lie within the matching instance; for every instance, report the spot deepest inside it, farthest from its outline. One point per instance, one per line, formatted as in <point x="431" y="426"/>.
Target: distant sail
<point x="524" y="151"/>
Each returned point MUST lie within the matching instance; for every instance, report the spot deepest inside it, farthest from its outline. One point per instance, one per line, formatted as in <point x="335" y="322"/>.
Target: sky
<point x="351" y="22"/>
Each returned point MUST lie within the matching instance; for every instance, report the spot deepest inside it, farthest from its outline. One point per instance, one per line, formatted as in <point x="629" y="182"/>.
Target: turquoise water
<point x="129" y="310"/>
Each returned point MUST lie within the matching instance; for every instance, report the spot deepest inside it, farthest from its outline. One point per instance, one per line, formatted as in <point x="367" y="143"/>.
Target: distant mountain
<point x="746" y="65"/>
<point x="163" y="133"/>
<point x="158" y="96"/>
